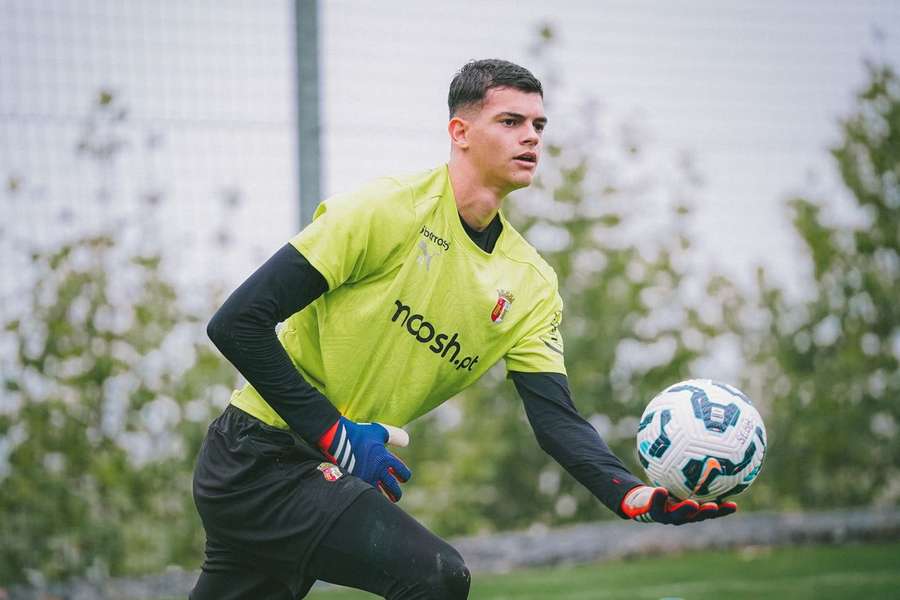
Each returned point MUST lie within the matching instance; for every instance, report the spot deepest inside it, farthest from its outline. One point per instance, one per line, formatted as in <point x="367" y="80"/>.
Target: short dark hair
<point x="471" y="83"/>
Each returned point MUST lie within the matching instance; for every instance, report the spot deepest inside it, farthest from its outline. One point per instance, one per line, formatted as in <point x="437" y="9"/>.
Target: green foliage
<point x="830" y="364"/>
<point x="106" y="425"/>
<point x="107" y="394"/>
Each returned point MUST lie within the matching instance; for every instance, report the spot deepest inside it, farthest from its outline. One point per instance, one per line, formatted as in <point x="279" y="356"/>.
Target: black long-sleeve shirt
<point x="243" y="329"/>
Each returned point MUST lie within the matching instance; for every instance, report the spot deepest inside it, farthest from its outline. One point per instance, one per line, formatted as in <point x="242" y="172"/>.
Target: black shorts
<point x="266" y="498"/>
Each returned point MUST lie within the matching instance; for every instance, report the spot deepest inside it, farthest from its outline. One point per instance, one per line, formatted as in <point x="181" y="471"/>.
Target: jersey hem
<point x="252" y="409"/>
<point x="554" y="370"/>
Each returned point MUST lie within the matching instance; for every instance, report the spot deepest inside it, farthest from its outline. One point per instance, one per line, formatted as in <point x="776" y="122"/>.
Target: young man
<point x="395" y="298"/>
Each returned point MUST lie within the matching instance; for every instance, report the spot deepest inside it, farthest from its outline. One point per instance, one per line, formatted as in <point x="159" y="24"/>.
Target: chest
<point x="445" y="286"/>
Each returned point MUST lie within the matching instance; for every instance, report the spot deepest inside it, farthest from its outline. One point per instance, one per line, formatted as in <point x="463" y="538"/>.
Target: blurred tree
<point x="829" y="366"/>
<point x="106" y="398"/>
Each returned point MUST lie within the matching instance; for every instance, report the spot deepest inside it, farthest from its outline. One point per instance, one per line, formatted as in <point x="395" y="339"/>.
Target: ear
<point x="458" y="128"/>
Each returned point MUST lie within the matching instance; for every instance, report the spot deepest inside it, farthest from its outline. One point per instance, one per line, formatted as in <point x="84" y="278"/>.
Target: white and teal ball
<point x="701" y="439"/>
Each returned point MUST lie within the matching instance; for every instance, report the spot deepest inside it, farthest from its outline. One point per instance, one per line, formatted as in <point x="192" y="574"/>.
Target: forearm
<point x="243" y="330"/>
<point x="571" y="440"/>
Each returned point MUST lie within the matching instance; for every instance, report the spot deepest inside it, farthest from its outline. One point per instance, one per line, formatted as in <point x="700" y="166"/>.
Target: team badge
<point x="504" y="300"/>
<point x="330" y="472"/>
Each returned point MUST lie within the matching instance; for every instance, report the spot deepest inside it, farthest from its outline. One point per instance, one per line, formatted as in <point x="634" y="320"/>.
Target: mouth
<point x="527" y="157"/>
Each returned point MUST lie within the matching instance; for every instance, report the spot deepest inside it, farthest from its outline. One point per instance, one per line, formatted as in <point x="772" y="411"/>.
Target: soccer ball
<point x="701" y="439"/>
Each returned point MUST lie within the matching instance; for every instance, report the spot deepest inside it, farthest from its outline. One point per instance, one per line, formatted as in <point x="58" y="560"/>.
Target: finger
<point x="679" y="513"/>
<point x="398" y="468"/>
<point x="390" y="487"/>
<point x="708" y="510"/>
<point x="396" y="436"/>
<point x="727" y="508"/>
<point x="381" y="429"/>
<point x="658" y="504"/>
<point x="396" y="476"/>
<point x="389" y="496"/>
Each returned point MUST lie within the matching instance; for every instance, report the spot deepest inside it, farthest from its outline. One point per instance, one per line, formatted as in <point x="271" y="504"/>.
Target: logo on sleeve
<point x="553" y="338"/>
<point x="504" y="301"/>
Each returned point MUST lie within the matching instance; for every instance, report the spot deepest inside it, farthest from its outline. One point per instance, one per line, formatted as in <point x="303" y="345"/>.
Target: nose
<point x="532" y="138"/>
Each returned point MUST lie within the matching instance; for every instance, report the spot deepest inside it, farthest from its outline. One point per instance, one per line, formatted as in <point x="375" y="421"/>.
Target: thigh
<point x="376" y="546"/>
<point x="238" y="585"/>
<point x="264" y="504"/>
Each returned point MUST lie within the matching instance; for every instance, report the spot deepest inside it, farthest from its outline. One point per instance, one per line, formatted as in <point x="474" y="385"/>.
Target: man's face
<point x="504" y="137"/>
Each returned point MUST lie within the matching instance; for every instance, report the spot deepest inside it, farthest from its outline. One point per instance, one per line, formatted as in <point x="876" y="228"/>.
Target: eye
<point x="510" y="122"/>
<point x="539" y="127"/>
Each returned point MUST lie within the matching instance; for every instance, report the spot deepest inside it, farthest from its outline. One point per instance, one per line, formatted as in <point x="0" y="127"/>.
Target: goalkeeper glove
<point x="653" y="505"/>
<point x="358" y="448"/>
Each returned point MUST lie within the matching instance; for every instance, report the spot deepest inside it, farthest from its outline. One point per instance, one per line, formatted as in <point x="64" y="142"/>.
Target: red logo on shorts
<point x="330" y="472"/>
<point x="504" y="300"/>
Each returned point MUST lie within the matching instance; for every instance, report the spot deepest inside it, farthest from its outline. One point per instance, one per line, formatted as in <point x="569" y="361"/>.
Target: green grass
<point x="795" y="573"/>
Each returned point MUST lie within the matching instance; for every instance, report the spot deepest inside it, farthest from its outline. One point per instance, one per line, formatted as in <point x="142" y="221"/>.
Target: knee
<point x="451" y="578"/>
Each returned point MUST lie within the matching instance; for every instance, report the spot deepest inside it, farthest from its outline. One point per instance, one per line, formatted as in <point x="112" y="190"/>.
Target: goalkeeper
<point x="394" y="298"/>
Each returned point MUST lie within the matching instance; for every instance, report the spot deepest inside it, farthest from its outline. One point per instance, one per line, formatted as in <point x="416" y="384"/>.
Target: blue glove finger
<point x="390" y="487"/>
<point x="393" y="472"/>
<point x="398" y="468"/>
<point x="377" y="427"/>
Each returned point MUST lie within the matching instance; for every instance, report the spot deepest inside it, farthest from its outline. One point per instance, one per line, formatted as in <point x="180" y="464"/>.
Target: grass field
<point x="859" y="572"/>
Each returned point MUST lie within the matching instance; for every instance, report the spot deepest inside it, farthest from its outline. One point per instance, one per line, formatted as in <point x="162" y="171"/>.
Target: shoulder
<point x="382" y="194"/>
<point x="394" y="198"/>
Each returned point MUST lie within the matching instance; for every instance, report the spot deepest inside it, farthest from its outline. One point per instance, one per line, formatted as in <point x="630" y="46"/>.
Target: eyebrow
<point x="541" y="120"/>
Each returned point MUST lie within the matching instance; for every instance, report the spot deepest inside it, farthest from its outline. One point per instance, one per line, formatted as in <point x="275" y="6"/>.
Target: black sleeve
<point x="243" y="329"/>
<point x="571" y="440"/>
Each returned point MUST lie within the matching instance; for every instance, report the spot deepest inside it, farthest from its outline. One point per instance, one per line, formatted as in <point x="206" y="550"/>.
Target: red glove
<point x="653" y="505"/>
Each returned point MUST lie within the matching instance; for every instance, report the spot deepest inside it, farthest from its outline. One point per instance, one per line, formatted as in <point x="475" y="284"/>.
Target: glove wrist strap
<point x="628" y="506"/>
<point x="328" y="437"/>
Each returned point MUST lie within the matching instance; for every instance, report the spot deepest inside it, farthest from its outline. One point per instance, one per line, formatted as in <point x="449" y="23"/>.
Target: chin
<point x="515" y="180"/>
<point x="522" y="180"/>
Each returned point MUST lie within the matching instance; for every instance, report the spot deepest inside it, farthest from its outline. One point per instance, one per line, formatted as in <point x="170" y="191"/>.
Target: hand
<point x="653" y="505"/>
<point x="358" y="448"/>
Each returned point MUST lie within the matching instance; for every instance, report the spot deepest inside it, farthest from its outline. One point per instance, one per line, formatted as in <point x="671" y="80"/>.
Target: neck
<point x="476" y="201"/>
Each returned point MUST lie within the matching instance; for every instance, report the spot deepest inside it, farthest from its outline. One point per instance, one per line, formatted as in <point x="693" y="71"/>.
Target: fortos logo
<point x="428" y="234"/>
<point x="425" y="333"/>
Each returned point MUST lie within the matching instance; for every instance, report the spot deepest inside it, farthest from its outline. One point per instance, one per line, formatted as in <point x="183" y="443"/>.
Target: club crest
<point x="330" y="472"/>
<point x="504" y="300"/>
